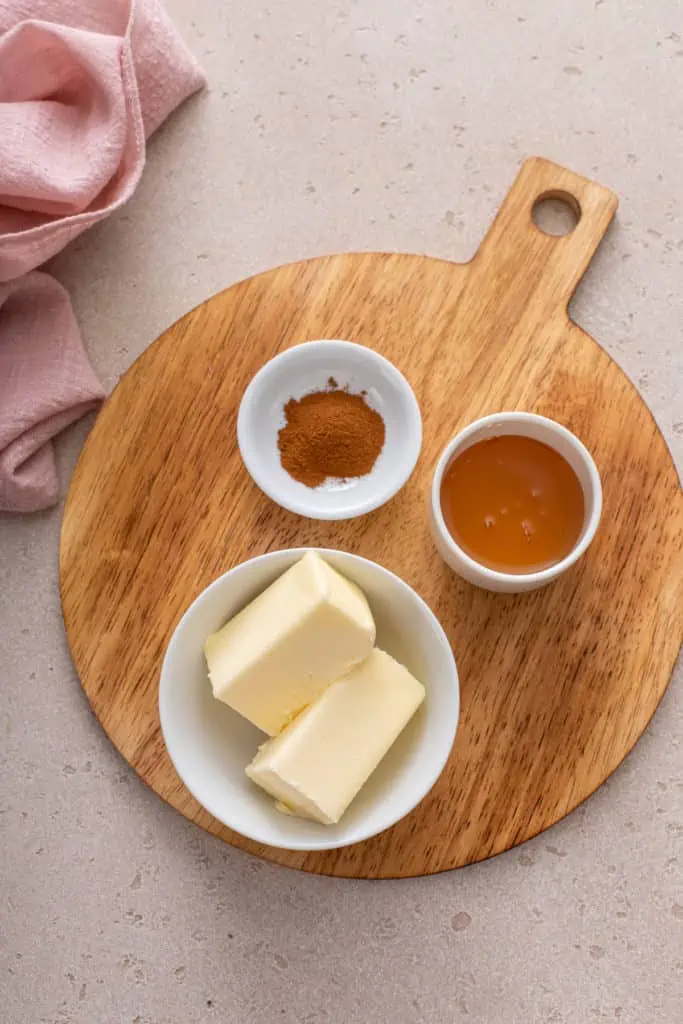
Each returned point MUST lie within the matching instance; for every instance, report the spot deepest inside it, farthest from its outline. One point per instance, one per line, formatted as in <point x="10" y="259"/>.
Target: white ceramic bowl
<point x="308" y="367"/>
<point x="210" y="745"/>
<point x="563" y="441"/>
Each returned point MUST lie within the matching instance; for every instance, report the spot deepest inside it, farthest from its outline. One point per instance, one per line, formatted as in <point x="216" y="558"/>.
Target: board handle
<point x="523" y="255"/>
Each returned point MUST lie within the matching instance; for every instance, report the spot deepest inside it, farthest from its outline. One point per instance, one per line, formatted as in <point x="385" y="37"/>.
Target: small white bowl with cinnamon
<point x="329" y="429"/>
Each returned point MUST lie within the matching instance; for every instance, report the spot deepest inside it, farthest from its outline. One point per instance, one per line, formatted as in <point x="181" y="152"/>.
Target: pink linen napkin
<point x="82" y="84"/>
<point x="46" y="384"/>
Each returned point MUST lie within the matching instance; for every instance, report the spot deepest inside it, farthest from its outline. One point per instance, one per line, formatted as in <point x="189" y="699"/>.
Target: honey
<point x="513" y="504"/>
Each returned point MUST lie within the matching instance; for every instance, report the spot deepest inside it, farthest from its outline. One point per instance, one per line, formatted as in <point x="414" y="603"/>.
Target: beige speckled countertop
<point x="330" y="126"/>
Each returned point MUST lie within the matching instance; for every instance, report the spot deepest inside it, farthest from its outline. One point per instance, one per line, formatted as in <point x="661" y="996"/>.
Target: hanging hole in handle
<point x="556" y="213"/>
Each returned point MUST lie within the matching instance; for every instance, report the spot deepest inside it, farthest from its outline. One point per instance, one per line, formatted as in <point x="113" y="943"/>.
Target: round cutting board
<point x="557" y="685"/>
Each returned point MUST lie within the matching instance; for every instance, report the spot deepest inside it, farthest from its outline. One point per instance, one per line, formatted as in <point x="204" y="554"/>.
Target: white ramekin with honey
<point x="516" y="500"/>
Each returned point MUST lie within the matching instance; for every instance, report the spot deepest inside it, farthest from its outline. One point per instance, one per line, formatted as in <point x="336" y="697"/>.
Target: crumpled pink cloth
<point x="82" y="84"/>
<point x="46" y="384"/>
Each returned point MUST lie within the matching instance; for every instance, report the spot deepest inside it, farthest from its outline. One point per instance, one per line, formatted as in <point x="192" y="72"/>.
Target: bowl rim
<point x="404" y="466"/>
<point x="553" y="427"/>
<point x="437" y="629"/>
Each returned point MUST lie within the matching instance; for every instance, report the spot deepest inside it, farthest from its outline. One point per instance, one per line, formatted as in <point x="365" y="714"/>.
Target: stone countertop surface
<point x="329" y="127"/>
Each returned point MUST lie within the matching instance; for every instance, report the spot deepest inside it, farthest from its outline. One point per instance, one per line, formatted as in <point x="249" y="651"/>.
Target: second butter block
<point x="315" y="768"/>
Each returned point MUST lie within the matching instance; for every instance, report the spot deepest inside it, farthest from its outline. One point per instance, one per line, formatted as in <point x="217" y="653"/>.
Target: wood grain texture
<point x="557" y="685"/>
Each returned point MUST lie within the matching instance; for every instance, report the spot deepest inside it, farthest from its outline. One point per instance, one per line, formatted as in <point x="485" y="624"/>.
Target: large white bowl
<point x="210" y="745"/>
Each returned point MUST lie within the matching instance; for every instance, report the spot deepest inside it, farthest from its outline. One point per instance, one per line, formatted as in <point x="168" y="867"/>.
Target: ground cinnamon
<point x="330" y="433"/>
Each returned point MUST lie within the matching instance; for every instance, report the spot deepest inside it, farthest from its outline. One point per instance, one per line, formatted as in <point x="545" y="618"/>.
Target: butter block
<point x="279" y="653"/>
<point x="318" y="764"/>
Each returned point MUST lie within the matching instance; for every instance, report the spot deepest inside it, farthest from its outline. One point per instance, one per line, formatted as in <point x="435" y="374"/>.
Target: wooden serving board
<point x="557" y="685"/>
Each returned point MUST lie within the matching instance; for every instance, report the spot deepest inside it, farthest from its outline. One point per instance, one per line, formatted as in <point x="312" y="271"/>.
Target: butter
<point x="279" y="653"/>
<point x="318" y="764"/>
